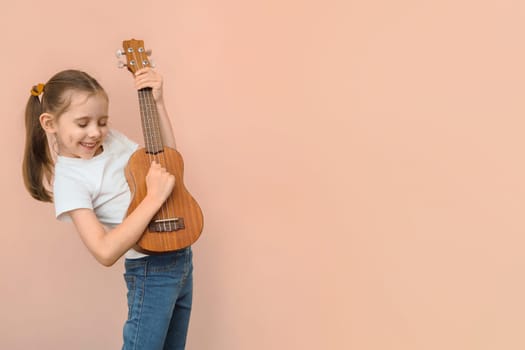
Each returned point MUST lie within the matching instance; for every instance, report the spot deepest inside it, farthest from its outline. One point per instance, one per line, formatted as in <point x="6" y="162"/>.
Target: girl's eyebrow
<point x="89" y="117"/>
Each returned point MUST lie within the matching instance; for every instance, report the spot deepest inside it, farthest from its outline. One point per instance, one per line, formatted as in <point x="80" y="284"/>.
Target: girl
<point x="88" y="187"/>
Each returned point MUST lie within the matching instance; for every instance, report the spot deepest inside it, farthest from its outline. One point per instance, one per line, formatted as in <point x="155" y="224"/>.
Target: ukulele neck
<point x="150" y="122"/>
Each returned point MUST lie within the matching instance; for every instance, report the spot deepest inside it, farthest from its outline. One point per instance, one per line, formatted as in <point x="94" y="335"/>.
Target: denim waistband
<point x="157" y="259"/>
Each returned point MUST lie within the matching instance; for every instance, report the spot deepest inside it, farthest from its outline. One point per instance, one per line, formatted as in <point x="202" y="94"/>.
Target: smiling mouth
<point x="89" y="145"/>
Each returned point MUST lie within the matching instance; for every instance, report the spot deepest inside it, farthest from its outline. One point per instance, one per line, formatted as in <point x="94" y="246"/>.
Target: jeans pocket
<point x="131" y="284"/>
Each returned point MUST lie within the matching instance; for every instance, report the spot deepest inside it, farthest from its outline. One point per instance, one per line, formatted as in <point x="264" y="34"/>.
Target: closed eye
<point x="83" y="122"/>
<point x="103" y="121"/>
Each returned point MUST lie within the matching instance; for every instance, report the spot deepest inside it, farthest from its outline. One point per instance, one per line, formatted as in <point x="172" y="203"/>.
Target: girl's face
<point x="82" y="128"/>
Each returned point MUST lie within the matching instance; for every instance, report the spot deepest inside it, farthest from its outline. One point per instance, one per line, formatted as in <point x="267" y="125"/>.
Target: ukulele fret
<point x="154" y="152"/>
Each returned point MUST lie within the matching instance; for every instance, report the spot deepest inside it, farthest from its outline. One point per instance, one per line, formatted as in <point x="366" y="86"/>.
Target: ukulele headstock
<point x="136" y="55"/>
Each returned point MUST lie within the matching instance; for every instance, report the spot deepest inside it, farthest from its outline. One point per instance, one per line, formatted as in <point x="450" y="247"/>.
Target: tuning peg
<point x="119" y="53"/>
<point x="148" y="52"/>
<point x="152" y="63"/>
<point x="121" y="64"/>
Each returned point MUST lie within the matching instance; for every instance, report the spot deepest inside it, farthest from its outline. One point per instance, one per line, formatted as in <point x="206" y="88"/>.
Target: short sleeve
<point x="69" y="194"/>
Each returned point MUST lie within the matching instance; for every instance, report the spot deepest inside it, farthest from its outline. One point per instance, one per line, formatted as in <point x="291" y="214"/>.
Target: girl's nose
<point x="94" y="132"/>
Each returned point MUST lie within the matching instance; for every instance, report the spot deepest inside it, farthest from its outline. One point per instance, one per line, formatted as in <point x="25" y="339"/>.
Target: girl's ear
<point x="47" y="121"/>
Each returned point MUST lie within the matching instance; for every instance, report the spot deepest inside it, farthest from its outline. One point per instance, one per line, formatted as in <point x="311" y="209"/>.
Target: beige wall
<point x="359" y="163"/>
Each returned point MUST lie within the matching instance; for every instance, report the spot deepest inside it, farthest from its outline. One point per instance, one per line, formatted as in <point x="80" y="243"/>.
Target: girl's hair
<point x="37" y="167"/>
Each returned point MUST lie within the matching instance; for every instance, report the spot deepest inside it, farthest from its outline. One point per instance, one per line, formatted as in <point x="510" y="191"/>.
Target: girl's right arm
<point x="108" y="247"/>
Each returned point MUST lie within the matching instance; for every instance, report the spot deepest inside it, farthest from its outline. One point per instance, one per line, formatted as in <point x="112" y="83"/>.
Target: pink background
<point x="359" y="164"/>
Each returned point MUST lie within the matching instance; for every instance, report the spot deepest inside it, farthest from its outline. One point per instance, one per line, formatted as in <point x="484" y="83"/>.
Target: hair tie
<point x="37" y="90"/>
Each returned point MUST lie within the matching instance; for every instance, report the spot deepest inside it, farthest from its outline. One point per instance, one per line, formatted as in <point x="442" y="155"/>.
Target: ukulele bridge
<point x="166" y="225"/>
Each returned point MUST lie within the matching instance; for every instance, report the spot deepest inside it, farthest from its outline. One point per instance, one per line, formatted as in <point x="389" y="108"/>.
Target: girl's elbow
<point x="106" y="262"/>
<point x="106" y="259"/>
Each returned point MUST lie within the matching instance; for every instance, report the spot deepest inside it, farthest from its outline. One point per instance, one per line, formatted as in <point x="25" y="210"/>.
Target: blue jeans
<point x="160" y="291"/>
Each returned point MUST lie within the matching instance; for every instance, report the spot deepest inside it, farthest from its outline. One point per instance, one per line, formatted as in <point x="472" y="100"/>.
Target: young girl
<point x="88" y="187"/>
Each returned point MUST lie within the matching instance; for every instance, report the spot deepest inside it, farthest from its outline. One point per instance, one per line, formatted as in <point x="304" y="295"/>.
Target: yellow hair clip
<point x="37" y="90"/>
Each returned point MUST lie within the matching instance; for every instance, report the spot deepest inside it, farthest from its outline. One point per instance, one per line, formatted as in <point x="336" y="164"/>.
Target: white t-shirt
<point x="98" y="183"/>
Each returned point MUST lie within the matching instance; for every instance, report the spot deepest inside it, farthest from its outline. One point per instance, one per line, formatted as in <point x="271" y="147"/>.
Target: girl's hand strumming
<point x="159" y="183"/>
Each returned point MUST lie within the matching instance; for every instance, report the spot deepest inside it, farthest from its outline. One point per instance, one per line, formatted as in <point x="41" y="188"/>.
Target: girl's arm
<point x="148" y="77"/>
<point x="108" y="247"/>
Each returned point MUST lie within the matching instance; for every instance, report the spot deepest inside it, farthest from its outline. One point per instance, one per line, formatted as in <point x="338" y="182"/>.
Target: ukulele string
<point x="146" y="125"/>
<point x="147" y="137"/>
<point x="162" y="155"/>
<point x="154" y="150"/>
<point x="157" y="134"/>
<point x="159" y="152"/>
<point x="153" y="130"/>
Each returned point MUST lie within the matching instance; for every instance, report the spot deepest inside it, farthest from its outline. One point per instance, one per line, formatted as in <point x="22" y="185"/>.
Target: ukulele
<point x="178" y="223"/>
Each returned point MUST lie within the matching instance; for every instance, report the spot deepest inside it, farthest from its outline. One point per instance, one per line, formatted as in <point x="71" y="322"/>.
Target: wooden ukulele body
<point x="179" y="222"/>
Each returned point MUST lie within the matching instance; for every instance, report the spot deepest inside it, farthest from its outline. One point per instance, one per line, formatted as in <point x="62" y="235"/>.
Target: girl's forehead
<point x="83" y="97"/>
<point x="84" y="102"/>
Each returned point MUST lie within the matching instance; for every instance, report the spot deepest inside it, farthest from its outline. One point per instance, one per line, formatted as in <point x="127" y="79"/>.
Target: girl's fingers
<point x="148" y="78"/>
<point x="139" y="84"/>
<point x="142" y="71"/>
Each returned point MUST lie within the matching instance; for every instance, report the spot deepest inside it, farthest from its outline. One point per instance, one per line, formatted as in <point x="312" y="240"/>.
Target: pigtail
<point x="37" y="167"/>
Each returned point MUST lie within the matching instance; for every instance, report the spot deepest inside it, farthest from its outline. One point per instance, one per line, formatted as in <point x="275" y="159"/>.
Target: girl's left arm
<point x="148" y="77"/>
